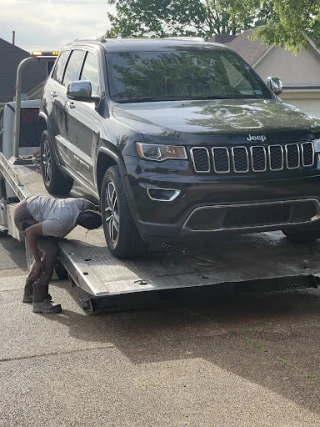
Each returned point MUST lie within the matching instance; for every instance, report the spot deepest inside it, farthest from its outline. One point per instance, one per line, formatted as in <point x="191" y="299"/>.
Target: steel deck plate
<point x="240" y="259"/>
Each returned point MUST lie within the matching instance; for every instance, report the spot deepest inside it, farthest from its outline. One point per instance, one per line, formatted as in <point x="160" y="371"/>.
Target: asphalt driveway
<point x="197" y="360"/>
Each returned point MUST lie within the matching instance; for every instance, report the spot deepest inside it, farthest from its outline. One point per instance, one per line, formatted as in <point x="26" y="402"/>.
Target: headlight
<point x="160" y="153"/>
<point x="316" y="144"/>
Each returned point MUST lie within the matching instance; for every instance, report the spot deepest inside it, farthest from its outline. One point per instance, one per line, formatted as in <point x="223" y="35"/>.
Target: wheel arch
<point x="105" y="159"/>
<point x="42" y="125"/>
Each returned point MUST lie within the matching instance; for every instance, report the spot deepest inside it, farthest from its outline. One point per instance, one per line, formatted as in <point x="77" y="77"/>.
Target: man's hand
<point x="38" y="269"/>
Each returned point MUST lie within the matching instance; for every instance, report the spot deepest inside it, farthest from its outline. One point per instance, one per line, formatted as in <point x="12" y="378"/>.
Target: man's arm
<point x="32" y="233"/>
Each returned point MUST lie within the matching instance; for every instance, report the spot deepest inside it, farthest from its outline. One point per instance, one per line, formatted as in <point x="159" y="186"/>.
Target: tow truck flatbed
<point x="263" y="257"/>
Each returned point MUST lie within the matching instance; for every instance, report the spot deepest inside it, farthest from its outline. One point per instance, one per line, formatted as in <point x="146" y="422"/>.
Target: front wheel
<point x="300" y="236"/>
<point x="54" y="180"/>
<point x="120" y="230"/>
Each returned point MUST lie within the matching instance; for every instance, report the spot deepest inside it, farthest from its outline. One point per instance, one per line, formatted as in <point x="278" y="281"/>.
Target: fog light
<point x="162" y="194"/>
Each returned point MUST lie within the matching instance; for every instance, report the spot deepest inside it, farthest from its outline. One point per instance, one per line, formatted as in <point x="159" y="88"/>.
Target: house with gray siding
<point x="300" y="73"/>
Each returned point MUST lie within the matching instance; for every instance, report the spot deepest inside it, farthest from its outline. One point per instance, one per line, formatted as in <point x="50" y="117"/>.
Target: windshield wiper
<point x="154" y="99"/>
<point x="184" y="98"/>
<point x="229" y="96"/>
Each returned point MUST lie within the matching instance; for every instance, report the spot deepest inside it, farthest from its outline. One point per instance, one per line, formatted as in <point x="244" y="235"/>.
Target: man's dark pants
<point x="48" y="246"/>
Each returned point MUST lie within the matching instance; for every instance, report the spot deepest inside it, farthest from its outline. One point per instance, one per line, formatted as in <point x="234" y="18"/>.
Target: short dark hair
<point x="89" y="219"/>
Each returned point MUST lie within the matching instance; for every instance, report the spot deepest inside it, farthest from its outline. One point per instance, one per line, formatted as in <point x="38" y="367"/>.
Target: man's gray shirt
<point x="58" y="216"/>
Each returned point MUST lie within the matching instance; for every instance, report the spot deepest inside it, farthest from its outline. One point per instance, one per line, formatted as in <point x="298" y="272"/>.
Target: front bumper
<point x="174" y="203"/>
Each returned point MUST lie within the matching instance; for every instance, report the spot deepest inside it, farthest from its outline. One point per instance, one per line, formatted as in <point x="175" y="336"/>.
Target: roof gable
<point x="222" y="38"/>
<point x="250" y="50"/>
<point x="6" y="47"/>
<point x="11" y="56"/>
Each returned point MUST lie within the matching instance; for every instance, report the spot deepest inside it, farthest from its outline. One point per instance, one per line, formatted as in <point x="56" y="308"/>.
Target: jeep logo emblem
<point x="261" y="138"/>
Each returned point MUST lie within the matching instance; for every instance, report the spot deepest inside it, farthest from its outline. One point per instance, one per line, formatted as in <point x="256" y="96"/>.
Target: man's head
<point x="89" y="219"/>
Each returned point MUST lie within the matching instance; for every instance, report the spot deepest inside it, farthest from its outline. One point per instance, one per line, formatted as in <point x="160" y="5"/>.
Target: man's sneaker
<point x="45" y="307"/>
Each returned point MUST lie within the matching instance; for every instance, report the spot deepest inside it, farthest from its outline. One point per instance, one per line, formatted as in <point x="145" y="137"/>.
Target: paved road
<point x="246" y="360"/>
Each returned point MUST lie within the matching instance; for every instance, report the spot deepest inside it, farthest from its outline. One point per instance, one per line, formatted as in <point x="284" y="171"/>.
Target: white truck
<point x="263" y="261"/>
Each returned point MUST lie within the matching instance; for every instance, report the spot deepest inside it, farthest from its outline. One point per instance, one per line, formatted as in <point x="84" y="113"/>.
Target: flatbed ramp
<point x="262" y="257"/>
<point x="245" y="258"/>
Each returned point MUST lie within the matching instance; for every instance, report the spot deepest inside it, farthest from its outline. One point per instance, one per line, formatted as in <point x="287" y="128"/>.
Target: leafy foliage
<point x="163" y="18"/>
<point x="293" y="21"/>
<point x="285" y="23"/>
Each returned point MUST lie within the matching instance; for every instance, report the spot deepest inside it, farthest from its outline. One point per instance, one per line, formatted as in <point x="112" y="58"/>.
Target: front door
<point x="84" y="122"/>
<point x="54" y="98"/>
<point x="65" y="149"/>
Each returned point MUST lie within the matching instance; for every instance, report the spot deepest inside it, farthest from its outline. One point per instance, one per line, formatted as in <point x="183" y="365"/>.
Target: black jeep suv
<point x="179" y="139"/>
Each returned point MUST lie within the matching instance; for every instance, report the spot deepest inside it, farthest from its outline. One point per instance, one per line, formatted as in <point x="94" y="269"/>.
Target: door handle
<point x="53" y="94"/>
<point x="71" y="104"/>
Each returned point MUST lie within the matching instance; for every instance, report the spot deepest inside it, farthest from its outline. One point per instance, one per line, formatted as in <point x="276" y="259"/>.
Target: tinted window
<point x="73" y="67"/>
<point x="90" y="72"/>
<point x="188" y="73"/>
<point x="60" y="65"/>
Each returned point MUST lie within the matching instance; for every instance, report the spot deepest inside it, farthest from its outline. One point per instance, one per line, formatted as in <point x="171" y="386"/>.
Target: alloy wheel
<point x="112" y="212"/>
<point x="46" y="162"/>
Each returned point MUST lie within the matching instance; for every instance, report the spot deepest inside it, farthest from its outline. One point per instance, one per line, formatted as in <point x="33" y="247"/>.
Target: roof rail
<point x="194" y="39"/>
<point x="95" y="39"/>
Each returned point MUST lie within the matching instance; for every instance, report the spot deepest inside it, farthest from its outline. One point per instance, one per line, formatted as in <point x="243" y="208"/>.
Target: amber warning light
<point x="40" y="53"/>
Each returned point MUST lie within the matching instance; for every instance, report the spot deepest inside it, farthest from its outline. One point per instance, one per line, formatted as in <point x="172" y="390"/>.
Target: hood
<point x="213" y="117"/>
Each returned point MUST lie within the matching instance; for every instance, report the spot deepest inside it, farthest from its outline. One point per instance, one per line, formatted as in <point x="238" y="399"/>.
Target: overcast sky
<point x="49" y="24"/>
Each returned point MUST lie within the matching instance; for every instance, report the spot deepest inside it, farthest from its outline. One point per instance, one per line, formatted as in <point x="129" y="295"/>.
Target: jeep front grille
<point x="256" y="158"/>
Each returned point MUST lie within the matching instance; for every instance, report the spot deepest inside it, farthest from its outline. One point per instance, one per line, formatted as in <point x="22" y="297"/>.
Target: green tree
<point x="290" y="24"/>
<point x="202" y="18"/>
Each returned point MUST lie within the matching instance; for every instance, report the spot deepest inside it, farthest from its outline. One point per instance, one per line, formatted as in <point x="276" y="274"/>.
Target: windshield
<point x="195" y="73"/>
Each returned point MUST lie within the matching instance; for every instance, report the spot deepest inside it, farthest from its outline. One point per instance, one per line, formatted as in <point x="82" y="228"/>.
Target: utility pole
<point x="13" y="37"/>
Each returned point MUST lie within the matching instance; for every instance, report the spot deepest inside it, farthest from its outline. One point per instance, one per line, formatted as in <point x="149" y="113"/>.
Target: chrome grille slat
<point x="257" y="161"/>
<point x="292" y="153"/>
<point x="221" y="156"/>
<point x="200" y="159"/>
<point x="275" y="155"/>
<point x="254" y="158"/>
<point x="240" y="159"/>
<point x="307" y="151"/>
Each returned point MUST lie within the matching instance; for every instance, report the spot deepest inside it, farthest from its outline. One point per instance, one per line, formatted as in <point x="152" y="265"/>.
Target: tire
<point x="300" y="236"/>
<point x="55" y="182"/>
<point x="121" y="233"/>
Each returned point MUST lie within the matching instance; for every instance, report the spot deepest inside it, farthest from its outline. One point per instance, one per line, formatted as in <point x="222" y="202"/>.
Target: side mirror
<point x="81" y="91"/>
<point x="275" y="84"/>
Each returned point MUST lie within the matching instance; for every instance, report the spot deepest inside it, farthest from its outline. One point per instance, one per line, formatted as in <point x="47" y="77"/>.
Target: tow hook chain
<point x="184" y="251"/>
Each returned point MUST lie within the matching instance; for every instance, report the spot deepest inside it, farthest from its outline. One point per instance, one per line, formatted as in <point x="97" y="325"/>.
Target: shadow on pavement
<point x="270" y="339"/>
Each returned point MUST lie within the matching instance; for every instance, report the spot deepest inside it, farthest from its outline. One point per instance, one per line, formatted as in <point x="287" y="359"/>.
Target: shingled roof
<point x="11" y="56"/>
<point x="250" y="50"/>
